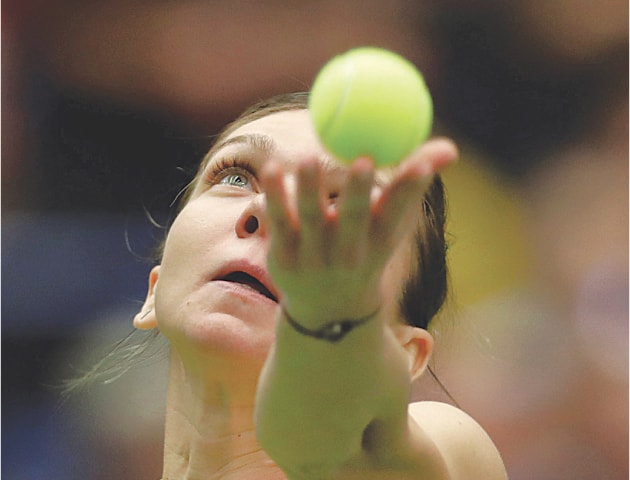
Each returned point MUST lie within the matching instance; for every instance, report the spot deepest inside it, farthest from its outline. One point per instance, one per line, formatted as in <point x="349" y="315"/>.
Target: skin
<point x="323" y="238"/>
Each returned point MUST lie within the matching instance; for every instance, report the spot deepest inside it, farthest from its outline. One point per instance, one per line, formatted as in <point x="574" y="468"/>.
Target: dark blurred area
<point x="107" y="108"/>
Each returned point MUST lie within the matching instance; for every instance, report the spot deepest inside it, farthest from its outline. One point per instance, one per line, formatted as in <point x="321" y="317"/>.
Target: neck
<point x="210" y="430"/>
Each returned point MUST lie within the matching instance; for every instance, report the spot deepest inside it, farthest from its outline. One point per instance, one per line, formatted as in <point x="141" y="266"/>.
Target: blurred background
<point x="107" y="107"/>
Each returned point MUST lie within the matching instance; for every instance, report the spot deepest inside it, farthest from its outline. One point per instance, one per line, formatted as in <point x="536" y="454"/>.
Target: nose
<point x="253" y="219"/>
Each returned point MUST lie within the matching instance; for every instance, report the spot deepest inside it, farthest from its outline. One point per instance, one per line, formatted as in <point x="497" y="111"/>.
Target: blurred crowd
<point x="108" y="106"/>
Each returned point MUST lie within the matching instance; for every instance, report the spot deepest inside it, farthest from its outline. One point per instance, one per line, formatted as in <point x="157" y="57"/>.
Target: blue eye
<point x="236" y="180"/>
<point x="232" y="172"/>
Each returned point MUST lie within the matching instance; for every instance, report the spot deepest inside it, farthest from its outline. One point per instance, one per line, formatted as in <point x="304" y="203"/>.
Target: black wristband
<point x="332" y="331"/>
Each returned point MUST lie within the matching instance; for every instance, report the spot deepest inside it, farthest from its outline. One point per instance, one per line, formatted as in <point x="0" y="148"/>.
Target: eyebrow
<point x="263" y="143"/>
<point x="266" y="145"/>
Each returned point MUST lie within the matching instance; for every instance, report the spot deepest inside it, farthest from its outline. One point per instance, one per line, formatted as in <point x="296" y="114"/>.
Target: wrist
<point x="314" y="313"/>
<point x="331" y="331"/>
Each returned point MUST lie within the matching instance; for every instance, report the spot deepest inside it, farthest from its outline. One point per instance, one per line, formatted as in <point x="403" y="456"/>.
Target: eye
<point x="235" y="179"/>
<point x="232" y="172"/>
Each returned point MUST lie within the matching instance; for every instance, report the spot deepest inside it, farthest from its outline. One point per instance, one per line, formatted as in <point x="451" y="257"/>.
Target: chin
<point x="227" y="335"/>
<point x="220" y="321"/>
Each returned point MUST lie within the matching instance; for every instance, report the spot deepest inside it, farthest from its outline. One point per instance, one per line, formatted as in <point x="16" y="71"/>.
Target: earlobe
<point x="419" y="347"/>
<point x="146" y="319"/>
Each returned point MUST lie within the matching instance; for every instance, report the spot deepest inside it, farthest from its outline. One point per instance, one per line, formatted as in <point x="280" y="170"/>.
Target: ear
<point x="419" y="346"/>
<point x="146" y="319"/>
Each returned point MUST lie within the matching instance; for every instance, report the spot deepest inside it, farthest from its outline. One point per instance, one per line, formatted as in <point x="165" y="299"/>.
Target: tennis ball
<point x="370" y="102"/>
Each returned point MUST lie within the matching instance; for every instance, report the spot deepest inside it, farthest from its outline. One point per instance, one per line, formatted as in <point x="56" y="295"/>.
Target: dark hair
<point x="427" y="287"/>
<point x="425" y="291"/>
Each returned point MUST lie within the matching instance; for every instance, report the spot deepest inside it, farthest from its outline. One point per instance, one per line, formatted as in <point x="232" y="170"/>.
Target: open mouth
<point x="248" y="281"/>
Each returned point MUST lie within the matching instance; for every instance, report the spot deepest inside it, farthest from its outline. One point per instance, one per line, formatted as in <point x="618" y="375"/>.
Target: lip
<point x="256" y="271"/>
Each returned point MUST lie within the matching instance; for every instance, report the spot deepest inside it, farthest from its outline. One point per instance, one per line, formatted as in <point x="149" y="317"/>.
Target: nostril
<point x="251" y="224"/>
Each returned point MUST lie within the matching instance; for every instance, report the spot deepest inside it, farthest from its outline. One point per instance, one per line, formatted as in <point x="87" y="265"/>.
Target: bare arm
<point x="324" y="404"/>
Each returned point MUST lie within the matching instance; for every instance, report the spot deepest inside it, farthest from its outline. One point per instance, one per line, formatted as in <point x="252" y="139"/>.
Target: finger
<point x="399" y="208"/>
<point x="399" y="214"/>
<point x="418" y="169"/>
<point x="310" y="207"/>
<point x="282" y="218"/>
<point x="354" y="211"/>
<point x="438" y="153"/>
<point x="311" y="210"/>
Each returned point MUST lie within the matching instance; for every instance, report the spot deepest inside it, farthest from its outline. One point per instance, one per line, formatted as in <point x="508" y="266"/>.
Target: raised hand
<point x="327" y="255"/>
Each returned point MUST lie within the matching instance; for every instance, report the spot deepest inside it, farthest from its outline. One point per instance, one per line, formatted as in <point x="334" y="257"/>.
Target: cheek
<point x="195" y="233"/>
<point x="187" y="262"/>
<point x="191" y="312"/>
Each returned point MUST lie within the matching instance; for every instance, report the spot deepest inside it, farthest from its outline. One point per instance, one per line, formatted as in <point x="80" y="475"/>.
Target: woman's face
<point x="213" y="290"/>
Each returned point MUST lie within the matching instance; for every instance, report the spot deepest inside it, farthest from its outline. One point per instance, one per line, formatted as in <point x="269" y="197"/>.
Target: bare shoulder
<point x="465" y="446"/>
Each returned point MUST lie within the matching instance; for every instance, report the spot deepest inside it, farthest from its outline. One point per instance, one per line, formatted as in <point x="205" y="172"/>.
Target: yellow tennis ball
<point x="371" y="102"/>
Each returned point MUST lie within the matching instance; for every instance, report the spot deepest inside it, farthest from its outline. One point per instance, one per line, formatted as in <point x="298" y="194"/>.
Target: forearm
<point x="316" y="398"/>
<point x="331" y="261"/>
